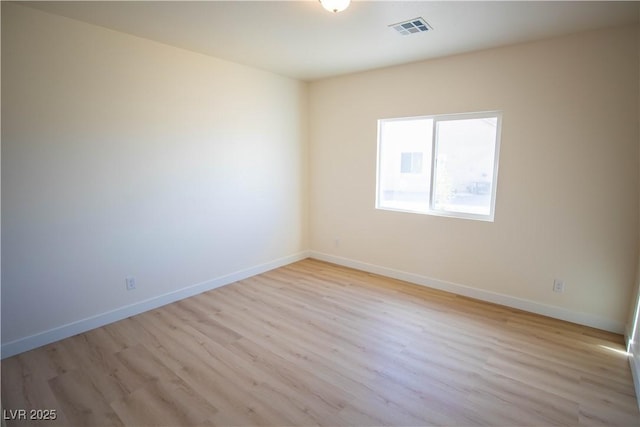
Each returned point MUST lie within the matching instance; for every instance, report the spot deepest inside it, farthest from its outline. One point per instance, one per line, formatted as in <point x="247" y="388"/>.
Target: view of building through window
<point x="441" y="165"/>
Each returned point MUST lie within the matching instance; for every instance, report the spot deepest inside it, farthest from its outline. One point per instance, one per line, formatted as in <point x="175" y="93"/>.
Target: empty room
<point x="334" y="213"/>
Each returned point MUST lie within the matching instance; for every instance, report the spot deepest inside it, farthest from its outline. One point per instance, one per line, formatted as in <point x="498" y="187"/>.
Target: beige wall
<point x="633" y="324"/>
<point x="121" y="156"/>
<point x="567" y="197"/>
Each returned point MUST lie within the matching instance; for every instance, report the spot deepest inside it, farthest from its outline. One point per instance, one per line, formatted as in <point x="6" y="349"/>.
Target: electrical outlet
<point x="130" y="282"/>
<point x="558" y="285"/>
<point x="336" y="242"/>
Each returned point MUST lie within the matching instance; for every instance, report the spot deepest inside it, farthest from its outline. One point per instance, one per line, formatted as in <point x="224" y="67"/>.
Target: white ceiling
<point x="301" y="40"/>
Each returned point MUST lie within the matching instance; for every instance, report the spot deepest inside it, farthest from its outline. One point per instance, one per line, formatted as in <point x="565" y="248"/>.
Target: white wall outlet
<point x="558" y="285"/>
<point x="130" y="282"/>
<point x="336" y="242"/>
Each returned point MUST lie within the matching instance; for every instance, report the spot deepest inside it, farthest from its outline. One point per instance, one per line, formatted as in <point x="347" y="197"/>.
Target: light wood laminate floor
<point x="317" y="344"/>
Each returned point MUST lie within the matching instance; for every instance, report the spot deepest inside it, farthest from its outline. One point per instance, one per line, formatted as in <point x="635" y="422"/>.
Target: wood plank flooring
<point x="317" y="344"/>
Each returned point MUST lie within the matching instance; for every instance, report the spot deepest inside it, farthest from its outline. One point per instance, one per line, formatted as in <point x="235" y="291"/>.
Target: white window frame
<point x="434" y="141"/>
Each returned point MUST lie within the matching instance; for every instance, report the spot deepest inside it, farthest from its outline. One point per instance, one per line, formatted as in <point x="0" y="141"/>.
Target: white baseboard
<point x="55" y="334"/>
<point x="65" y="331"/>
<point x="481" y="294"/>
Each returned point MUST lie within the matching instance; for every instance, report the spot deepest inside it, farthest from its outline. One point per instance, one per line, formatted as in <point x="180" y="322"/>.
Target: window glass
<point x="404" y="164"/>
<point x="465" y="157"/>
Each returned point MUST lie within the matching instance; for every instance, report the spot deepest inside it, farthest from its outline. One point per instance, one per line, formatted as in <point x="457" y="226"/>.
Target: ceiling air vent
<point x="415" y="25"/>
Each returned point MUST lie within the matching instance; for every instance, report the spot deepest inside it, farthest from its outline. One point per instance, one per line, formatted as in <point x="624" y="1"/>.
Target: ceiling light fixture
<point x="335" y="6"/>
